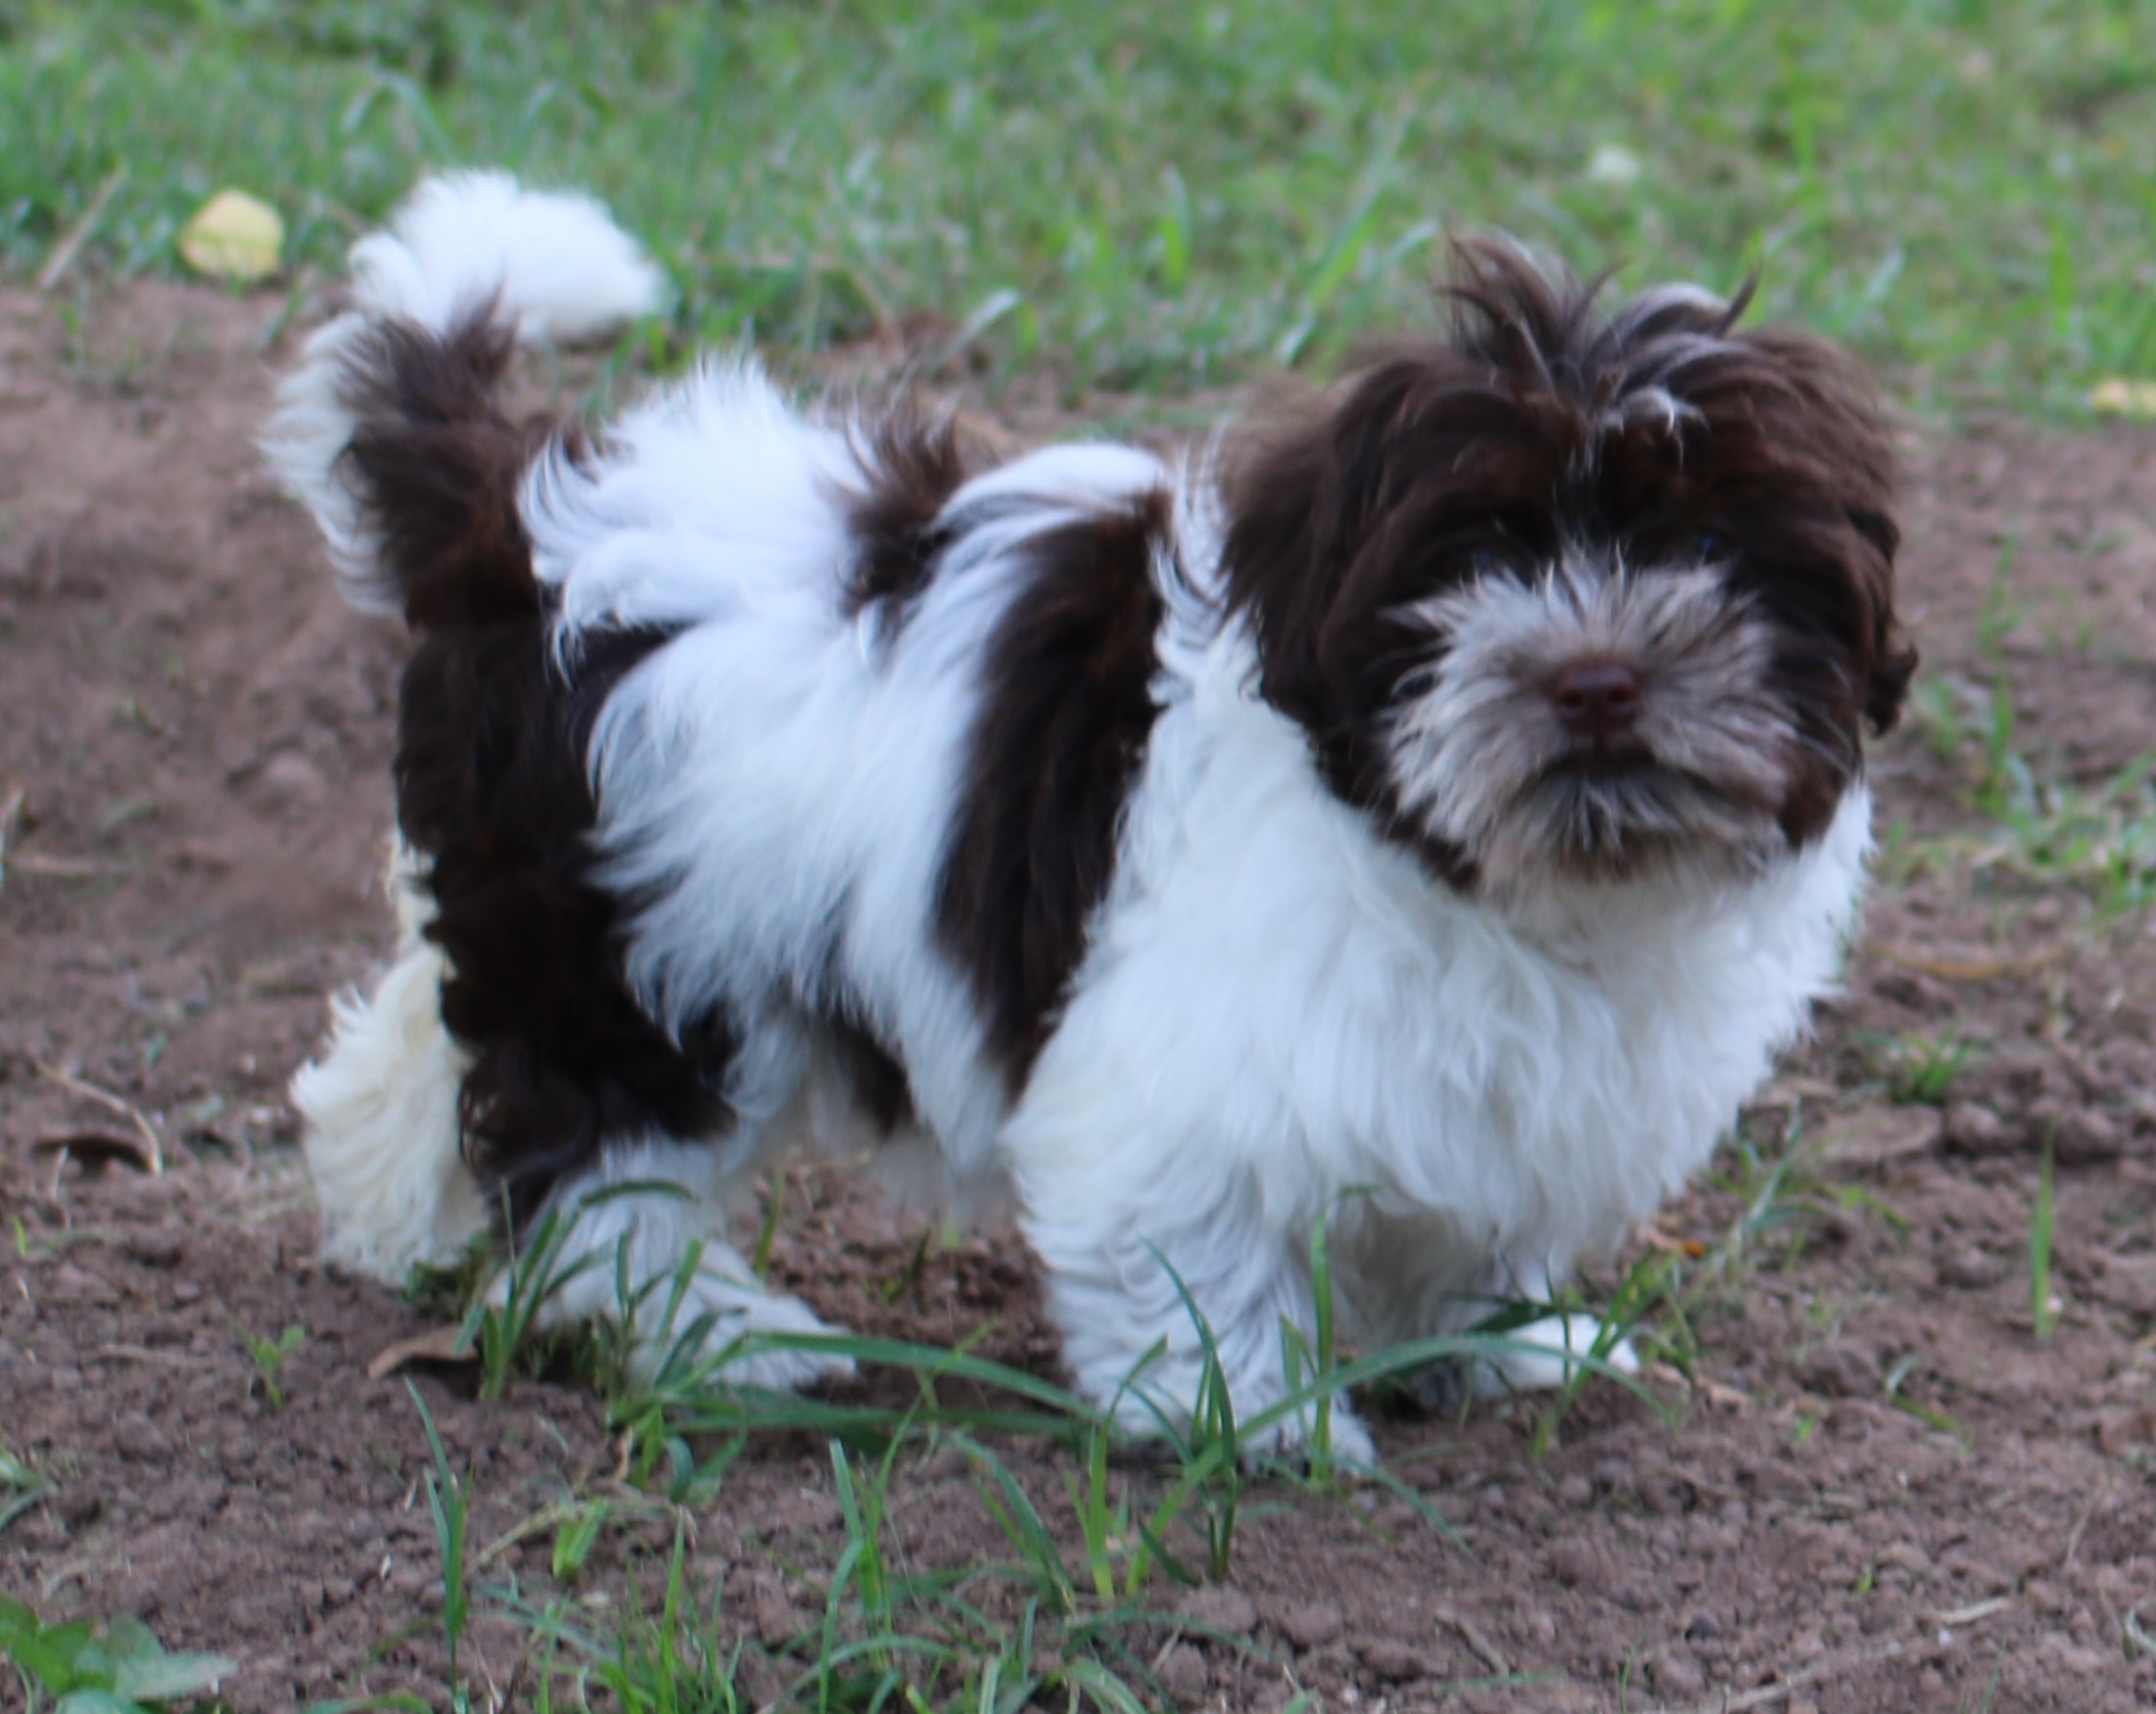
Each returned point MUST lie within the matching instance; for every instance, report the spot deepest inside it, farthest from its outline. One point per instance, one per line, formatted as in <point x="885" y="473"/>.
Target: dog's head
<point x="1580" y="593"/>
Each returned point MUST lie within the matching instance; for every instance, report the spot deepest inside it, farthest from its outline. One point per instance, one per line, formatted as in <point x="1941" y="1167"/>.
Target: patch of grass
<point x="2043" y="1304"/>
<point x="448" y="1502"/>
<point x="1159" y="200"/>
<point x="115" y="1668"/>
<point x="674" y="1661"/>
<point x="270" y="1356"/>
<point x="22" y="1486"/>
<point x="1919" y="1070"/>
<point x="1897" y="1383"/>
<point x="2099" y="839"/>
<point x="1049" y="1624"/>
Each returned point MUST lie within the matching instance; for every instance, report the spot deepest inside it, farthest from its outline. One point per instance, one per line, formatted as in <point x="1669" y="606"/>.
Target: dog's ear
<point x="1793" y="420"/>
<point x="1427" y="469"/>
<point x="1439" y="458"/>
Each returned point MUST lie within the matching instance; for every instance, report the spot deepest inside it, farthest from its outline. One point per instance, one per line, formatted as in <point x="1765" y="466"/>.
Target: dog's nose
<point x="1597" y="697"/>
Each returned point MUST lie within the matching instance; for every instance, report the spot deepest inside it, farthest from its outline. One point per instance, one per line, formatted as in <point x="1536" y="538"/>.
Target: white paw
<point x="1557" y="1342"/>
<point x="737" y="1316"/>
<point x="1288" y="1438"/>
<point x="743" y="1318"/>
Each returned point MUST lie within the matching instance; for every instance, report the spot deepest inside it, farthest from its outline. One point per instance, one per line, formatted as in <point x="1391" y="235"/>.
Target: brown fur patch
<point x="491" y="787"/>
<point x="1538" y="421"/>
<point x="916" y="465"/>
<point x="1065" y="715"/>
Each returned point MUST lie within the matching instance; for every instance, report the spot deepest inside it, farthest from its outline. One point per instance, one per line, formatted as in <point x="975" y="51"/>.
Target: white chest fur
<point x="1281" y="1011"/>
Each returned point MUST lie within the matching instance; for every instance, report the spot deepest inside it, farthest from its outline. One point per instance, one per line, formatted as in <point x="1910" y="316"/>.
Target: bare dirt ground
<point x="1881" y="1490"/>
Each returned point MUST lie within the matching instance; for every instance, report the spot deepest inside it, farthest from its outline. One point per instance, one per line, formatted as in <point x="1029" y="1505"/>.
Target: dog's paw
<point x="1557" y="1344"/>
<point x="748" y="1330"/>
<point x="1153" y="1430"/>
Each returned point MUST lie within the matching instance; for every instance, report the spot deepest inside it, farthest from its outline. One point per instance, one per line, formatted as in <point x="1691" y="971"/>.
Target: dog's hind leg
<point x="378" y="1115"/>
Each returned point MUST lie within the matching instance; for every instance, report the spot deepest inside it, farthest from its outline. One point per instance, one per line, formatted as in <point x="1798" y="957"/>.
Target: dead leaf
<point x="95" y="1151"/>
<point x="2127" y="1428"/>
<point x="153" y="1160"/>
<point x="1878" y="1136"/>
<point x="1961" y="964"/>
<point x="2119" y="396"/>
<point x="1724" y="1397"/>
<point x="443" y="1344"/>
<point x="234" y="236"/>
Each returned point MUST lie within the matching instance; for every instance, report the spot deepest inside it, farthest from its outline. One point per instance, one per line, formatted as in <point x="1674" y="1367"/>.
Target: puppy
<point x="1430" y="813"/>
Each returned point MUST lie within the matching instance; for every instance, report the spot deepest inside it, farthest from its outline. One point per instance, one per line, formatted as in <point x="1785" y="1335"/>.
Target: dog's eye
<point x="1710" y="546"/>
<point x="1493" y="559"/>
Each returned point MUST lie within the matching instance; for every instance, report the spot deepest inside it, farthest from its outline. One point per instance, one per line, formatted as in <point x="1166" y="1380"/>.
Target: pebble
<point x="1841" y="1372"/>
<point x="1663" y="1492"/>
<point x="70" y="1283"/>
<point x="1309" y="1624"/>
<point x="153" y="1249"/>
<point x="1973" y="1128"/>
<point x="1220" y="1609"/>
<point x="1971" y="1270"/>
<point x="135" y="1436"/>
<point x="1182" y="1674"/>
<point x="1573" y="1562"/>
<point x="1391" y="1660"/>
<point x="1677" y="1675"/>
<point x="2088" y="1137"/>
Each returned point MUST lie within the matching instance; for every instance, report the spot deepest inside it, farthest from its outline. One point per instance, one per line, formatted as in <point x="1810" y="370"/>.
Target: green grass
<point x="270" y="1356"/>
<point x="115" y="1668"/>
<point x="2043" y="1304"/>
<point x="1152" y="198"/>
<point x="1097" y="1554"/>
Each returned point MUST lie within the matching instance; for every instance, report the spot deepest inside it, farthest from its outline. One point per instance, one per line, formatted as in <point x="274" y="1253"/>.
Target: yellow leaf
<point x="2124" y="397"/>
<point x="234" y="237"/>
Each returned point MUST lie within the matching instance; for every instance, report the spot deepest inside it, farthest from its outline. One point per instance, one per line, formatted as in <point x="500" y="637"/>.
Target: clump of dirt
<point x="1885" y="1487"/>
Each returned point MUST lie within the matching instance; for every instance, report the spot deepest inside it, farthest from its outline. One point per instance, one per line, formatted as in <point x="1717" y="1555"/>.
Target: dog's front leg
<point x="1162" y="1300"/>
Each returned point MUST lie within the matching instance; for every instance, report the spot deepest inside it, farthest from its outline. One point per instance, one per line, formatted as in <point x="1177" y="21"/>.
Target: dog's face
<point x="1581" y="594"/>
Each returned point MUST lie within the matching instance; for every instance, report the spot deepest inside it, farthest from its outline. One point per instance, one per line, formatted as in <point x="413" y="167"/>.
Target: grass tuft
<point x="1146" y="200"/>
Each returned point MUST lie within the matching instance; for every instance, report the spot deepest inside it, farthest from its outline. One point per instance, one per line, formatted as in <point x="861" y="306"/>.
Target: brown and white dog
<point x="1432" y="813"/>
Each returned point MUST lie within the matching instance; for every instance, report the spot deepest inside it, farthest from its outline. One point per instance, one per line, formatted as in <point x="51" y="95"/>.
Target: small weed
<point x="2043" y="1304"/>
<point x="1919" y="1070"/>
<point x="1991" y="1689"/>
<point x="449" y="1502"/>
<point x="1646" y="1283"/>
<point x="675" y="1661"/>
<point x="1898" y="1378"/>
<point x="116" y="1668"/>
<point x="270" y="1356"/>
<point x="501" y="1326"/>
<point x="576" y="1534"/>
<point x="22" y="1486"/>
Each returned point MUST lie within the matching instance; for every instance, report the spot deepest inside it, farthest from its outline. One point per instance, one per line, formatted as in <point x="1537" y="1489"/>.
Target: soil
<point x="1880" y="1489"/>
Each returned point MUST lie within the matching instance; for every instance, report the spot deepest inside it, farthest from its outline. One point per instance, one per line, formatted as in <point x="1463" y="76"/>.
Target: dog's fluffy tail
<point x="391" y="431"/>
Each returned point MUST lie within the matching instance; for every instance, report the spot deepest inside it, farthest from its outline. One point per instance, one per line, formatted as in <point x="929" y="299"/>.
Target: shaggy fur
<point x="1430" y="813"/>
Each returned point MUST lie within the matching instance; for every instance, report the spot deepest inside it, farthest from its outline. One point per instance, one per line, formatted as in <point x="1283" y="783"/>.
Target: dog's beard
<point x="1482" y="759"/>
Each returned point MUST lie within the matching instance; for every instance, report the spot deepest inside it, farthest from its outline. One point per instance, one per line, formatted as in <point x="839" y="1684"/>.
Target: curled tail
<point x="391" y="431"/>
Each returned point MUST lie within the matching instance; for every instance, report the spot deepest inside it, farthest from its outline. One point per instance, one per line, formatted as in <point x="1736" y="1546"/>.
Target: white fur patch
<point x="554" y="262"/>
<point x="1479" y="750"/>
<point x="379" y="1117"/>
